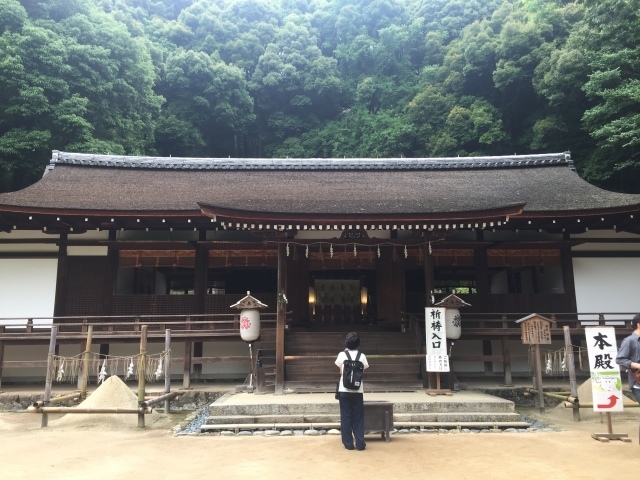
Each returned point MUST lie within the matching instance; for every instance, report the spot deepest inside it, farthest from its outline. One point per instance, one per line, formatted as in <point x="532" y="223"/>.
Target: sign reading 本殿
<point x="606" y="385"/>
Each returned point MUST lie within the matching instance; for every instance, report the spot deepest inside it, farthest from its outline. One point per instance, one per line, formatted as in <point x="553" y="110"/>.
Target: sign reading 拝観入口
<point x="436" y="337"/>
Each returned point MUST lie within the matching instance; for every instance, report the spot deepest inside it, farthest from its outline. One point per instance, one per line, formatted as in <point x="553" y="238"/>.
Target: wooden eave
<point x="623" y="218"/>
<point x="229" y="216"/>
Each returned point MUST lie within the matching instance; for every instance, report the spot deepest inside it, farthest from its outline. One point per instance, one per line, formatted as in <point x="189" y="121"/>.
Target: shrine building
<point x="329" y="245"/>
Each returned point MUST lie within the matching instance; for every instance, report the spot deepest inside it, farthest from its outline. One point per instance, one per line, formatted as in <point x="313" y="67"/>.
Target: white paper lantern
<point x="452" y="318"/>
<point x="249" y="325"/>
<point x="249" y="317"/>
<point x="453" y="322"/>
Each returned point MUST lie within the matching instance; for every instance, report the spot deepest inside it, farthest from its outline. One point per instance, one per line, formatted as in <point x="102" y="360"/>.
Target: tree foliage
<point x="321" y="78"/>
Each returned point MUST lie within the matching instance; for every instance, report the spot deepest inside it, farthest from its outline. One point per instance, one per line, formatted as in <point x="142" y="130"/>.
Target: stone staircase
<point x="321" y="411"/>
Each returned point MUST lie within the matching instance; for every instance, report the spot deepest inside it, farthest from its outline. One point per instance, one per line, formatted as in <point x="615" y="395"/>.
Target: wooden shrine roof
<point x="534" y="184"/>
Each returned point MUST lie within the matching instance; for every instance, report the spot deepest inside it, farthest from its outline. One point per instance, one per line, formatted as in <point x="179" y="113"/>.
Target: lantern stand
<point x="452" y="304"/>
<point x="249" y="330"/>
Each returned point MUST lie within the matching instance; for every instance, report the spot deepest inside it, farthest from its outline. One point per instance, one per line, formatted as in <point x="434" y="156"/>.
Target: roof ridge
<point x="188" y="163"/>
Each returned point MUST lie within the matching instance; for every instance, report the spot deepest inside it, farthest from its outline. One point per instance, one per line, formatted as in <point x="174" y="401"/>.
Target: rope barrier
<point x="68" y="369"/>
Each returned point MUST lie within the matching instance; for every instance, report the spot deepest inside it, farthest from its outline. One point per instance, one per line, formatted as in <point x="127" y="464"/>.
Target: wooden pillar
<point x="539" y="387"/>
<point x="142" y="363"/>
<point x="83" y="378"/>
<point x="429" y="281"/>
<point x="1" y="354"/>
<point x="186" y="372"/>
<point x="487" y="349"/>
<point x="167" y="369"/>
<point x="481" y="263"/>
<point x="200" y="292"/>
<point x="428" y="380"/>
<point x="111" y="275"/>
<point x="59" y="308"/>
<point x="197" y="366"/>
<point x="506" y="362"/>
<point x="568" y="279"/>
<point x="390" y="284"/>
<point x="280" y="321"/>
<point x="297" y="280"/>
<point x="49" y="379"/>
<point x="571" y="367"/>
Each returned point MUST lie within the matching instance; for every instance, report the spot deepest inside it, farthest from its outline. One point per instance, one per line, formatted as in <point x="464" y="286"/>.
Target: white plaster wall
<point x="607" y="285"/>
<point x="27" y="288"/>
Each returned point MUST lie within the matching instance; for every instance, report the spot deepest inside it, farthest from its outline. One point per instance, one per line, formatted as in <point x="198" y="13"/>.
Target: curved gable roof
<point x="76" y="183"/>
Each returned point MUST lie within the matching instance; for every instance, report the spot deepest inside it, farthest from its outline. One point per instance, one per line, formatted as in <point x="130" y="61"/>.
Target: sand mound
<point x="585" y="395"/>
<point x="113" y="392"/>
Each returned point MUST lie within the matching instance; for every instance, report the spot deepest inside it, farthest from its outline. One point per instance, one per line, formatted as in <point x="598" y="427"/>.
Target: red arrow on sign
<point x="612" y="402"/>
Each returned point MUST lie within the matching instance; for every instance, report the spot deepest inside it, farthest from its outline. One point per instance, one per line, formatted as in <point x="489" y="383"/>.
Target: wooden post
<point x="1" y="353"/>
<point x="167" y="369"/>
<point x="568" y="279"/>
<point x="506" y="362"/>
<point x="200" y="292"/>
<point x="571" y="367"/>
<point x="142" y="362"/>
<point x="429" y="286"/>
<point x="85" y="364"/>
<point x="110" y="274"/>
<point x="280" y="322"/>
<point x="59" y="307"/>
<point x="197" y="366"/>
<point x="186" y="364"/>
<point x="539" y="379"/>
<point x="47" y="387"/>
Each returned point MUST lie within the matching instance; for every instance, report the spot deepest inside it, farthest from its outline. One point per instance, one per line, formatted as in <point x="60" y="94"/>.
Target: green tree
<point x="72" y="78"/>
<point x="294" y="85"/>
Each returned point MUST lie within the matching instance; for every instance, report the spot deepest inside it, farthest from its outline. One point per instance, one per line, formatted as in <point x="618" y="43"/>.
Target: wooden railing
<point x="503" y="327"/>
<point x="126" y="328"/>
<point x="118" y="327"/>
<point x="492" y="325"/>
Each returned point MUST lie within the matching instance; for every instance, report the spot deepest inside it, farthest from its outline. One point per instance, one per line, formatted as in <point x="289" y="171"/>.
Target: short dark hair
<point x="635" y="321"/>
<point x="352" y="341"/>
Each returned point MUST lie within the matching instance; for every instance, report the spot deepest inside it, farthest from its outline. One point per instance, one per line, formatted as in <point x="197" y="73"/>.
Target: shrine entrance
<point x="336" y="300"/>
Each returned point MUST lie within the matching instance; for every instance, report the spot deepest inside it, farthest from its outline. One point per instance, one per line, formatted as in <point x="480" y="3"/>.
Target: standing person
<point x="351" y="401"/>
<point x="629" y="357"/>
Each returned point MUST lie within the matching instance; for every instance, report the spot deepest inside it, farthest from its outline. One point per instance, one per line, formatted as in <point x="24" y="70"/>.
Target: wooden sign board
<point x="536" y="330"/>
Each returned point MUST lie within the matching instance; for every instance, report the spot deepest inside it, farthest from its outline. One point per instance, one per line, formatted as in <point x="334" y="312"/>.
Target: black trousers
<point x="352" y="419"/>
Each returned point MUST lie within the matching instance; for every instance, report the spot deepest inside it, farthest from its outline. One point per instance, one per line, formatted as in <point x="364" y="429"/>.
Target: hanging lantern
<point x="249" y="317"/>
<point x="452" y="318"/>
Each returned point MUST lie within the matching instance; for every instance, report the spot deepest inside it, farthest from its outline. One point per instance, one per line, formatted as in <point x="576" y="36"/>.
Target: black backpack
<point x="352" y="371"/>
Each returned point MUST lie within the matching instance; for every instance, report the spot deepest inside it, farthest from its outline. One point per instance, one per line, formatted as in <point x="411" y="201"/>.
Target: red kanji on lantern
<point x="245" y="323"/>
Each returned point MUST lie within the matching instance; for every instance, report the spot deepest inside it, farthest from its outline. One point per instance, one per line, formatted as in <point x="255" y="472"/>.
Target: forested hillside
<point x="321" y="78"/>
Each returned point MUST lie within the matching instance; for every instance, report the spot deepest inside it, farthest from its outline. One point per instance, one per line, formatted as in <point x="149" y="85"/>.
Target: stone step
<point x="398" y="418"/>
<point x="237" y="427"/>
<point x="216" y="410"/>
